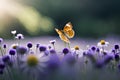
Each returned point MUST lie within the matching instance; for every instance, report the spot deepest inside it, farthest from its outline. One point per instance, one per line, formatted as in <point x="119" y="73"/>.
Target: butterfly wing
<point x="69" y="32"/>
<point x="68" y="26"/>
<point x="62" y="35"/>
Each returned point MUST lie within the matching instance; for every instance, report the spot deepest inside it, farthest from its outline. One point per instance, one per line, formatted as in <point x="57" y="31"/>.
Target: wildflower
<point x="52" y="51"/>
<point x="32" y="60"/>
<point x="53" y="42"/>
<point x="5" y="58"/>
<point x="14" y="46"/>
<point x="116" y="47"/>
<point x="77" y="51"/>
<point x="84" y="53"/>
<point x="117" y="57"/>
<point x="37" y="45"/>
<point x="47" y="52"/>
<point x="19" y="36"/>
<point x="103" y="43"/>
<point x="76" y="47"/>
<point x="21" y="50"/>
<point x="33" y="63"/>
<point x="54" y="62"/>
<point x="42" y="48"/>
<point x="91" y="56"/>
<point x="93" y="48"/>
<point x="49" y="46"/>
<point x="105" y="53"/>
<point x="12" y="52"/>
<point x="10" y="63"/>
<point x="13" y="32"/>
<point x="65" y="51"/>
<point x="107" y="59"/>
<point x="5" y="46"/>
<point x="29" y="45"/>
<point x="98" y="50"/>
<point x="1" y="40"/>
<point x="113" y="51"/>
<point x="2" y="66"/>
<point x="69" y="59"/>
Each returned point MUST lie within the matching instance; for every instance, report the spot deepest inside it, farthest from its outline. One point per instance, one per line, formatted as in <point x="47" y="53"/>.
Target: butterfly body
<point x="66" y="33"/>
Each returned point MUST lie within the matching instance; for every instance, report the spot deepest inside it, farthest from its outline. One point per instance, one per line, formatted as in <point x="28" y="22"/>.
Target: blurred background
<point x="34" y="18"/>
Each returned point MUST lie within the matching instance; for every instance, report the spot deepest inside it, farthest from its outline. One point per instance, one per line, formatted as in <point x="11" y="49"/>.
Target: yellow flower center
<point x="14" y="46"/>
<point x="32" y="60"/>
<point x="102" y="42"/>
<point x="76" y="47"/>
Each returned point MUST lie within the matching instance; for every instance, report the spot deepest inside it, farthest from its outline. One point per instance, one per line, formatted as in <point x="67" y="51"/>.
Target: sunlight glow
<point x="5" y="6"/>
<point x="32" y="20"/>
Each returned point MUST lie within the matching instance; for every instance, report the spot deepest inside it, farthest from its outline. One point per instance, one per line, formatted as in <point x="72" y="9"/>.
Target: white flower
<point x="13" y="32"/>
<point x="34" y="63"/>
<point x="19" y="36"/>
<point x="14" y="46"/>
<point x="102" y="43"/>
<point x="52" y="41"/>
<point x="79" y="53"/>
<point x="76" y="51"/>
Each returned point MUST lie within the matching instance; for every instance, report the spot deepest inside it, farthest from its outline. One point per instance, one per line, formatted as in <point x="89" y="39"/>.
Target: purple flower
<point x="117" y="57"/>
<point x="107" y="59"/>
<point x="93" y="48"/>
<point x="84" y="53"/>
<point x="1" y="40"/>
<point x="52" y="51"/>
<point x="42" y="48"/>
<point x="46" y="52"/>
<point x="5" y="58"/>
<point x="2" y="66"/>
<point x="29" y="45"/>
<point x="4" y="46"/>
<point x="21" y="50"/>
<point x="69" y="59"/>
<point x="49" y="47"/>
<point x="113" y="51"/>
<point x="54" y="62"/>
<point x="37" y="45"/>
<point x="65" y="51"/>
<point x="91" y="56"/>
<point x="10" y="63"/>
<point x="53" y="42"/>
<point x="98" y="50"/>
<point x="19" y="36"/>
<point x="12" y="52"/>
<point x="116" y="46"/>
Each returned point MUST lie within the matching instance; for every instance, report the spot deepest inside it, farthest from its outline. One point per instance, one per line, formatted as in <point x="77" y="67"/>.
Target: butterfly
<point x="66" y="33"/>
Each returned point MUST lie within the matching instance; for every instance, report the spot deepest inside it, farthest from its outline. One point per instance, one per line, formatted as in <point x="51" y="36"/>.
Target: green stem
<point x="65" y="44"/>
<point x="9" y="73"/>
<point x="69" y="45"/>
<point x="2" y="53"/>
<point x="54" y="46"/>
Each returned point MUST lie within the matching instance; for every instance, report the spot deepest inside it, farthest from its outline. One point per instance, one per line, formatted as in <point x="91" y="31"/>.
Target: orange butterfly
<point x="66" y="33"/>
